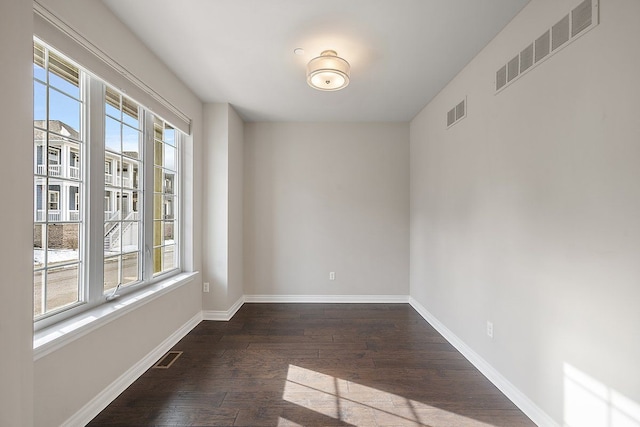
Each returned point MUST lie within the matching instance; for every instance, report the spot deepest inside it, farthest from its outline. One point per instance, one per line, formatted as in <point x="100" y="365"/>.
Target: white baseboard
<point x="355" y="299"/>
<point x="223" y="315"/>
<point x="533" y="411"/>
<point x="106" y="396"/>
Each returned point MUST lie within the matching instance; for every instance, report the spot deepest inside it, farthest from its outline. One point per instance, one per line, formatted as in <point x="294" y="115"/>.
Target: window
<point x="59" y="91"/>
<point x="122" y="227"/>
<point x="164" y="198"/>
<point x="137" y="240"/>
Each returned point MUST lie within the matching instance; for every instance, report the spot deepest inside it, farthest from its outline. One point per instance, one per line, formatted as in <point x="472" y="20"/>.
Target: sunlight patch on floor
<point x="283" y="422"/>
<point x="358" y="404"/>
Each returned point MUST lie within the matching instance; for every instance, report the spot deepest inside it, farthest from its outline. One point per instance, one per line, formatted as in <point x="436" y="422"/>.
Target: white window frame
<point x="93" y="200"/>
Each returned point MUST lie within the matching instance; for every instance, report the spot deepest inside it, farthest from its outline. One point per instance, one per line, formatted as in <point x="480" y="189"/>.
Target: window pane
<point x="169" y="157"/>
<point x="39" y="155"/>
<point x="135" y="175"/>
<point x="112" y="135"/>
<point x="39" y="104"/>
<point x="110" y="211"/>
<point x="130" y="113"/>
<point x="39" y="245"/>
<point x="112" y="238"/>
<point x="157" y="180"/>
<point x="38" y="293"/>
<point x="131" y="142"/>
<point x="169" y="135"/>
<point x="38" y="62"/>
<point x="158" y="235"/>
<point x="135" y="205"/>
<point x="168" y="182"/>
<point x="168" y="232"/>
<point x="62" y="243"/>
<point x="111" y="273"/>
<point x="157" y="260"/>
<point x="64" y="109"/>
<point x="73" y="161"/>
<point x="62" y="286"/>
<point x="168" y="206"/>
<point x="112" y="103"/>
<point x="130" y="268"/>
<point x="168" y="258"/>
<point x="64" y="75"/>
<point x="40" y="199"/>
<point x="130" y="236"/>
<point x="157" y="153"/>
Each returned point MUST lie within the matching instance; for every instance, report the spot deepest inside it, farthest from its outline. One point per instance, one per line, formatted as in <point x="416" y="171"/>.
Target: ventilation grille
<point x="457" y="113"/>
<point x="581" y="19"/>
<point x="167" y="360"/>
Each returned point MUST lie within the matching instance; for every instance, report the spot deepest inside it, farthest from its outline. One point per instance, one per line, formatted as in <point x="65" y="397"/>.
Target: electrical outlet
<point x="205" y="287"/>
<point x="332" y="275"/>
<point x="490" y="329"/>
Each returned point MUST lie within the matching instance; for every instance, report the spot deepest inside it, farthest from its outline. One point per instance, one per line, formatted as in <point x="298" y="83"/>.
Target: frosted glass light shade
<point x="328" y="72"/>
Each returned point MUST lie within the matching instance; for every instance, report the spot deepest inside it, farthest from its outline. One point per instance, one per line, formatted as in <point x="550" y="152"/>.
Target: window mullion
<point x="147" y="187"/>
<point x="95" y="193"/>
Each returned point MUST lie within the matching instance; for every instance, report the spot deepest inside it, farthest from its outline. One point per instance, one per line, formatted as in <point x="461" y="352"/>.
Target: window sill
<point x="59" y="335"/>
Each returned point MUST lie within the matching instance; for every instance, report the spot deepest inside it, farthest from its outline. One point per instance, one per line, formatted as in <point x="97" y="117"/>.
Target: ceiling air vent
<point x="457" y="113"/>
<point x="580" y="20"/>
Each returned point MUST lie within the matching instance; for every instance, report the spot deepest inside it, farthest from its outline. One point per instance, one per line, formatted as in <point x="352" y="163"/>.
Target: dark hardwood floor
<point x="315" y="365"/>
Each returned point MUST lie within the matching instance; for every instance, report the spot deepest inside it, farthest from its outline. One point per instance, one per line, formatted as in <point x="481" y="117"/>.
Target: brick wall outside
<point x="61" y="236"/>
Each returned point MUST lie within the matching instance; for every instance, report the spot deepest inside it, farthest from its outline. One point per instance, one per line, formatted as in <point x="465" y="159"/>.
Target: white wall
<point x="527" y="213"/>
<point x="323" y="197"/>
<point x="16" y="251"/>
<point x="236" y="228"/>
<point x="223" y="134"/>
<point x="68" y="378"/>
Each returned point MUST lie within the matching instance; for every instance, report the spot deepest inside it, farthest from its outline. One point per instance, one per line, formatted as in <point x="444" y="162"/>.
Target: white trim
<point x="50" y="339"/>
<point x="222" y="315"/>
<point x="354" y="299"/>
<point x="525" y="404"/>
<point x="106" y="396"/>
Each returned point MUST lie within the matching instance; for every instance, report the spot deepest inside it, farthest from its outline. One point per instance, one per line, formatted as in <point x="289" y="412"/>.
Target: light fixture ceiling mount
<point x="328" y="72"/>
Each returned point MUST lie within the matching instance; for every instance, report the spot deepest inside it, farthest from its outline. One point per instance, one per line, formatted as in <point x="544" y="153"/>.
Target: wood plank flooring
<point x="315" y="365"/>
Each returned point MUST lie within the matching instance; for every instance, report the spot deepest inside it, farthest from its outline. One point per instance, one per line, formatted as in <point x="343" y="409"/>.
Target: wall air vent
<point x="560" y="33"/>
<point x="526" y="58"/>
<point x="513" y="68"/>
<point x="573" y="25"/>
<point x="543" y="46"/>
<point x="457" y="113"/>
<point x="501" y="77"/>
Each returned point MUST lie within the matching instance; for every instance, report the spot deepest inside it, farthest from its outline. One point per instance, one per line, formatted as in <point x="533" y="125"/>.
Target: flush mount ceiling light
<point x="328" y="71"/>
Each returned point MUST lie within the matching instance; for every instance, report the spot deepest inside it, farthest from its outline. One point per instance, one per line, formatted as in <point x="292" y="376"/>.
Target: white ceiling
<point x="402" y="52"/>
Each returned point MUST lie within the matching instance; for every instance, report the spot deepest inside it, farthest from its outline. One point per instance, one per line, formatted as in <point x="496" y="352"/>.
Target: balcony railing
<point x="54" y="170"/>
<point x="53" y="216"/>
<point x="74" y="172"/>
<point x="118" y="181"/>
